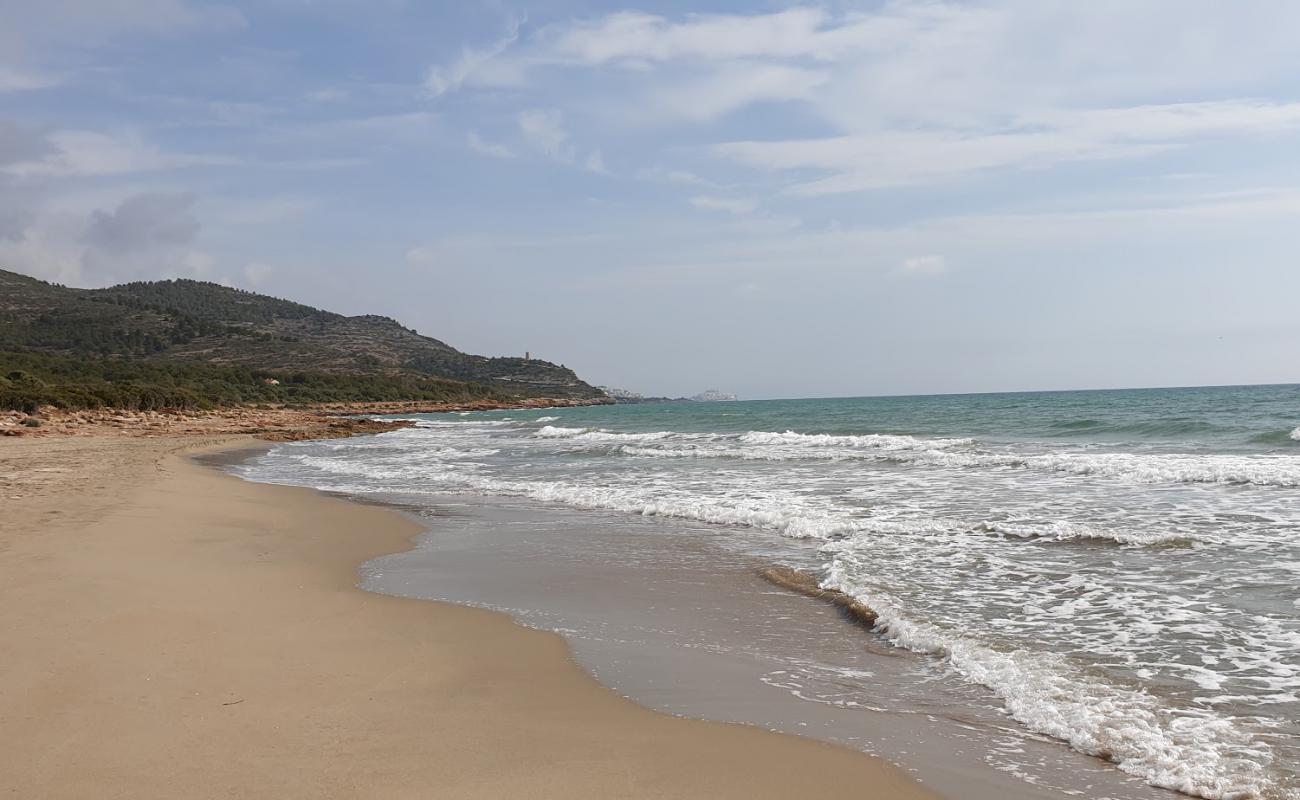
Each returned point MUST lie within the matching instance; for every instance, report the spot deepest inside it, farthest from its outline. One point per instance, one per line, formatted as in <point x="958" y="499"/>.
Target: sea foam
<point x="1192" y="751"/>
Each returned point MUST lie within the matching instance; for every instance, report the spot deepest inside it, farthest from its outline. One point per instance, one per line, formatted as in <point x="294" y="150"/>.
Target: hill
<point x="183" y="324"/>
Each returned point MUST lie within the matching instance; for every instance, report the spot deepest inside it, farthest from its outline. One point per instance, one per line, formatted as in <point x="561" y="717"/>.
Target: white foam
<point x="1067" y="531"/>
<point x="557" y="432"/>
<point x="546" y="419"/>
<point x="781" y="517"/>
<point x="1259" y="470"/>
<point x="881" y="441"/>
<point x="599" y="435"/>
<point x="1295" y="434"/>
<point x="1192" y="751"/>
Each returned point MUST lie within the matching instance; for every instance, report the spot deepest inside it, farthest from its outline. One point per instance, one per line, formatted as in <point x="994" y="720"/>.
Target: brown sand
<point x="170" y="632"/>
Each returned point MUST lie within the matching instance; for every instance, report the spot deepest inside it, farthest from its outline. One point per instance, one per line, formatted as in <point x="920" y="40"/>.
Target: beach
<point x="1075" y="593"/>
<point x="169" y="631"/>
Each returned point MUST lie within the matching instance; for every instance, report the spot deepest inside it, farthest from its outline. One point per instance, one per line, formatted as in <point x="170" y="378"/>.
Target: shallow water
<point x="1115" y="571"/>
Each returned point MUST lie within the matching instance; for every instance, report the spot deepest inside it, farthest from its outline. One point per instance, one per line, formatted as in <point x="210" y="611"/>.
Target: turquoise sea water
<point x="1119" y="568"/>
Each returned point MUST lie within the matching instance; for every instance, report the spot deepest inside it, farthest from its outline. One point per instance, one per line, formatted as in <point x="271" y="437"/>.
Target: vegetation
<point x="29" y="380"/>
<point x="168" y="325"/>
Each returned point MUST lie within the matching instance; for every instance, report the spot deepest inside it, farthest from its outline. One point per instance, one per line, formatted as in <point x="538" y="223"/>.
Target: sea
<point x="1086" y="593"/>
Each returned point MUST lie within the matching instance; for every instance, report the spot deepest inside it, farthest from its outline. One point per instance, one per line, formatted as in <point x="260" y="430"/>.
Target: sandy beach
<point x="169" y="631"/>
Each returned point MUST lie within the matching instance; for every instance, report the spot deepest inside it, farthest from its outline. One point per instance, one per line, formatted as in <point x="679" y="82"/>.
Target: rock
<point x="31" y="422"/>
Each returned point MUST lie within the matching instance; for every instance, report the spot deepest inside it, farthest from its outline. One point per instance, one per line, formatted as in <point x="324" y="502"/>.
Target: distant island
<point x="626" y="396"/>
<point x="188" y="344"/>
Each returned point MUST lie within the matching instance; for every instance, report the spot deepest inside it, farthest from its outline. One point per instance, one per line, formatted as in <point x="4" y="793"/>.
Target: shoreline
<point x="173" y="631"/>
<point x="272" y="423"/>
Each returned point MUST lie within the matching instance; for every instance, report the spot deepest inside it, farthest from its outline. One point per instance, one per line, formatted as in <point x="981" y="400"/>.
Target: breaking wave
<point x="1072" y="531"/>
<point x="1192" y="751"/>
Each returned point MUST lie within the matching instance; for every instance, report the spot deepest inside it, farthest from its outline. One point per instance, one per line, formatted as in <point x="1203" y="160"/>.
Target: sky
<point x="768" y="198"/>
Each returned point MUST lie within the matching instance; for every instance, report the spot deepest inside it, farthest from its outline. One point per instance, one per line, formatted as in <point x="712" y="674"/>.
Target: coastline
<point x="272" y="423"/>
<point x="173" y="631"/>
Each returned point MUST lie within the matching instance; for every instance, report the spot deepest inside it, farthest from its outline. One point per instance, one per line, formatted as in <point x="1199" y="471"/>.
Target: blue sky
<point x="771" y="198"/>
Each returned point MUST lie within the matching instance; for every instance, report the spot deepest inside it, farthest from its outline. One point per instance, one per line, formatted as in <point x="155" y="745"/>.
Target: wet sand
<point x="169" y="631"/>
<point x="687" y="619"/>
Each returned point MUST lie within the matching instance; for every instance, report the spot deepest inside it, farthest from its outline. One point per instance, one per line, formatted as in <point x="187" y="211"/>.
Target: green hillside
<point x="182" y="324"/>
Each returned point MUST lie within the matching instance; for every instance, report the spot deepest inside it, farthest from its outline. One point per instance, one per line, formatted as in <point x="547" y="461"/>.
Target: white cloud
<point x="543" y="130"/>
<point x="256" y="273"/>
<point x="920" y="91"/>
<point x="595" y="162"/>
<point x="659" y="174"/>
<point x="417" y="256"/>
<point x="909" y="157"/>
<point x="144" y="222"/>
<point x="88" y="153"/>
<point x="486" y="148"/>
<point x="731" y="205"/>
<point x="13" y="79"/>
<point x="328" y="95"/>
<point x="923" y="265"/>
<point x="730" y="88"/>
<point x="475" y="64"/>
<point x="633" y="38"/>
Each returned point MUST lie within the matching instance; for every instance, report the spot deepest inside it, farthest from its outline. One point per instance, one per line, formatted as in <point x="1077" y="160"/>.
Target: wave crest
<point x="1192" y="751"/>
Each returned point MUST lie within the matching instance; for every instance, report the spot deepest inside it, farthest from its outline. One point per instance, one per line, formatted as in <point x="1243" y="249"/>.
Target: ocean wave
<point x="771" y="515"/>
<point x="599" y="435"/>
<point x="880" y="441"/>
<point x="1072" y="531"/>
<point x="1295" y="434"/>
<point x="1261" y="470"/>
<point x="546" y="419"/>
<point x="420" y="422"/>
<point x="1155" y="428"/>
<point x="1192" y="751"/>
<point x="1257" y="470"/>
<point x="748" y="453"/>
<point x="558" y="432"/>
<point x="787" y="446"/>
<point x="957" y="453"/>
<point x="1077" y="424"/>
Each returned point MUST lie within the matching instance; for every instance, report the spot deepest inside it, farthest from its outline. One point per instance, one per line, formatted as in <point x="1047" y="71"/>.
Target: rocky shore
<point x="326" y="421"/>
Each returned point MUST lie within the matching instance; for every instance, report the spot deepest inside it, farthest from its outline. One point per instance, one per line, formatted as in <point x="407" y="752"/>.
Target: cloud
<point x="914" y="92"/>
<point x="143" y="222"/>
<point x="328" y="95"/>
<point x="473" y="65"/>
<point x="1033" y="141"/>
<point x="732" y="205"/>
<point x="13" y="79"/>
<point x="256" y="273"/>
<point x="731" y="88"/>
<point x="543" y="130"/>
<point x="923" y="265"/>
<point x="147" y="235"/>
<point x="418" y="256"/>
<point x="595" y="162"/>
<point x="660" y="174"/>
<point x="21" y="143"/>
<point x="88" y="153"/>
<point x="486" y="148"/>
<point x="634" y="38"/>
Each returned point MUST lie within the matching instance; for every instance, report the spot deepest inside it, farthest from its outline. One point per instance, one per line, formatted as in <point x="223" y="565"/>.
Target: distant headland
<point x="626" y="396"/>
